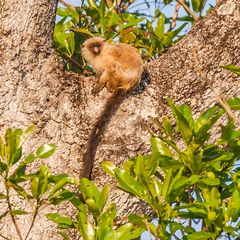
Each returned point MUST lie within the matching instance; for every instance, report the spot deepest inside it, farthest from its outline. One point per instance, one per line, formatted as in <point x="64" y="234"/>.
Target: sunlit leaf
<point x="232" y="68"/>
<point x="45" y="150"/>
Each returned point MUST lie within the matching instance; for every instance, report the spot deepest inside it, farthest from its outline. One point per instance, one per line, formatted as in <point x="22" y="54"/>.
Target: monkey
<point x="120" y="67"/>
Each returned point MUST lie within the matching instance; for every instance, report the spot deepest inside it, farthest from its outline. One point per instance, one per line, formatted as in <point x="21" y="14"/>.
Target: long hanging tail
<point x="99" y="128"/>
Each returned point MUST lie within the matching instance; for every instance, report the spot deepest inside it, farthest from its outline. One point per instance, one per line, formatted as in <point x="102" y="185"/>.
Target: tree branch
<point x="68" y="5"/>
<point x="11" y="214"/>
<point x="33" y="220"/>
<point x="188" y="10"/>
<point x="175" y="15"/>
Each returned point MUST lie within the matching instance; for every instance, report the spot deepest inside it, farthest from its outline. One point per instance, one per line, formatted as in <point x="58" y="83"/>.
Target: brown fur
<point x="120" y="67"/>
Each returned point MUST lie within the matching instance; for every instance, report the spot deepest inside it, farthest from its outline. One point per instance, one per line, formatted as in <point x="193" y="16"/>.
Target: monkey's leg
<point x="112" y="84"/>
<point x="101" y="83"/>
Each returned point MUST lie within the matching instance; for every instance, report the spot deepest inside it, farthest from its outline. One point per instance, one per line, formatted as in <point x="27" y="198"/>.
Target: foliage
<point x="232" y="68"/>
<point x="115" y="21"/>
<point x="188" y="178"/>
<point x="42" y="188"/>
<point x="34" y="188"/>
<point x="195" y="181"/>
<point x="95" y="219"/>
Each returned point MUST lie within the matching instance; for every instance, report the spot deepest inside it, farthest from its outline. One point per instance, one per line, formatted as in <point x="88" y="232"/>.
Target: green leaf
<point x="159" y="30"/>
<point x="20" y="190"/>
<point x="129" y="184"/>
<point x="91" y="196"/>
<point x="64" y="235"/>
<point x="185" y="110"/>
<point x="135" y="219"/>
<point x="103" y="197"/>
<point x="210" y="181"/>
<point x="108" y="167"/>
<point x="25" y="135"/>
<point x="197" y="5"/>
<point x="182" y="122"/>
<point x="64" y="195"/>
<point x="232" y="68"/>
<point x="201" y="236"/>
<point x="169" y="36"/>
<point x="155" y="187"/>
<point x="30" y="158"/>
<point x="150" y="166"/>
<point x="105" y="223"/>
<point x="19" y="212"/>
<point x="66" y="12"/>
<point x="234" y="103"/>
<point x="57" y="218"/>
<point x="61" y="183"/>
<point x="40" y="183"/>
<point x="126" y="232"/>
<point x="2" y="149"/>
<point x="205" y="122"/>
<point x="2" y="196"/>
<point x="83" y="31"/>
<point x="139" y="166"/>
<point x="166" y="184"/>
<point x="12" y="139"/>
<point x="3" y="215"/>
<point x="45" y="150"/>
<point x="70" y="43"/>
<point x="168" y="126"/>
<point x="17" y="155"/>
<point x="158" y="146"/>
<point x="92" y="4"/>
<point x="86" y="228"/>
<point x="34" y="186"/>
<point x="3" y="167"/>
<point x="89" y="190"/>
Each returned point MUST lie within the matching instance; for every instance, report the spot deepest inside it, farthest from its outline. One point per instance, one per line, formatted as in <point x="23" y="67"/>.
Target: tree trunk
<point x="34" y="88"/>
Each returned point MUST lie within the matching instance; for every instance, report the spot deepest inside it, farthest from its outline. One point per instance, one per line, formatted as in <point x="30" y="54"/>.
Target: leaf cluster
<point x="115" y="21"/>
<point x="194" y="181"/>
<point x="95" y="218"/>
<point x="188" y="178"/>
<point x="36" y="188"/>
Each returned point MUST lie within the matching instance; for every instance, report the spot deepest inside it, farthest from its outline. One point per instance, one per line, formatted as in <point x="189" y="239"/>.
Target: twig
<point x="148" y="229"/>
<point x="119" y="2"/>
<point x="68" y="5"/>
<point x="175" y="15"/>
<point x="222" y="101"/>
<point x="110" y="5"/>
<point x="33" y="220"/>
<point x="12" y="216"/>
<point x="188" y="10"/>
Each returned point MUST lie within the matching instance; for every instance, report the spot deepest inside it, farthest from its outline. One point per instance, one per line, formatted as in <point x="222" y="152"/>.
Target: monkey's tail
<point x="110" y="108"/>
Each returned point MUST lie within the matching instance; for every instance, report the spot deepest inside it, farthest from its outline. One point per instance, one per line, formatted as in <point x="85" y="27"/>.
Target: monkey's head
<point x="92" y="47"/>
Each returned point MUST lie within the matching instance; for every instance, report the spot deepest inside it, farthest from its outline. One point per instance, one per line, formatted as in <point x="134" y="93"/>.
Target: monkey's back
<point x="125" y="54"/>
<point x="127" y="63"/>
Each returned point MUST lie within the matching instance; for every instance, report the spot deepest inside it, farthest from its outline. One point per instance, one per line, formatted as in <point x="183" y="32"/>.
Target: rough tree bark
<point x="34" y="88"/>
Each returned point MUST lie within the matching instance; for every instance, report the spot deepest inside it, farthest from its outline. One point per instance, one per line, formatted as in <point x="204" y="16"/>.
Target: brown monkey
<point x="120" y="68"/>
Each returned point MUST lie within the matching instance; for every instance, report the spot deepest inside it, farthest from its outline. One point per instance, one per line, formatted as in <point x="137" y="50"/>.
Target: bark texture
<point x="34" y="88"/>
